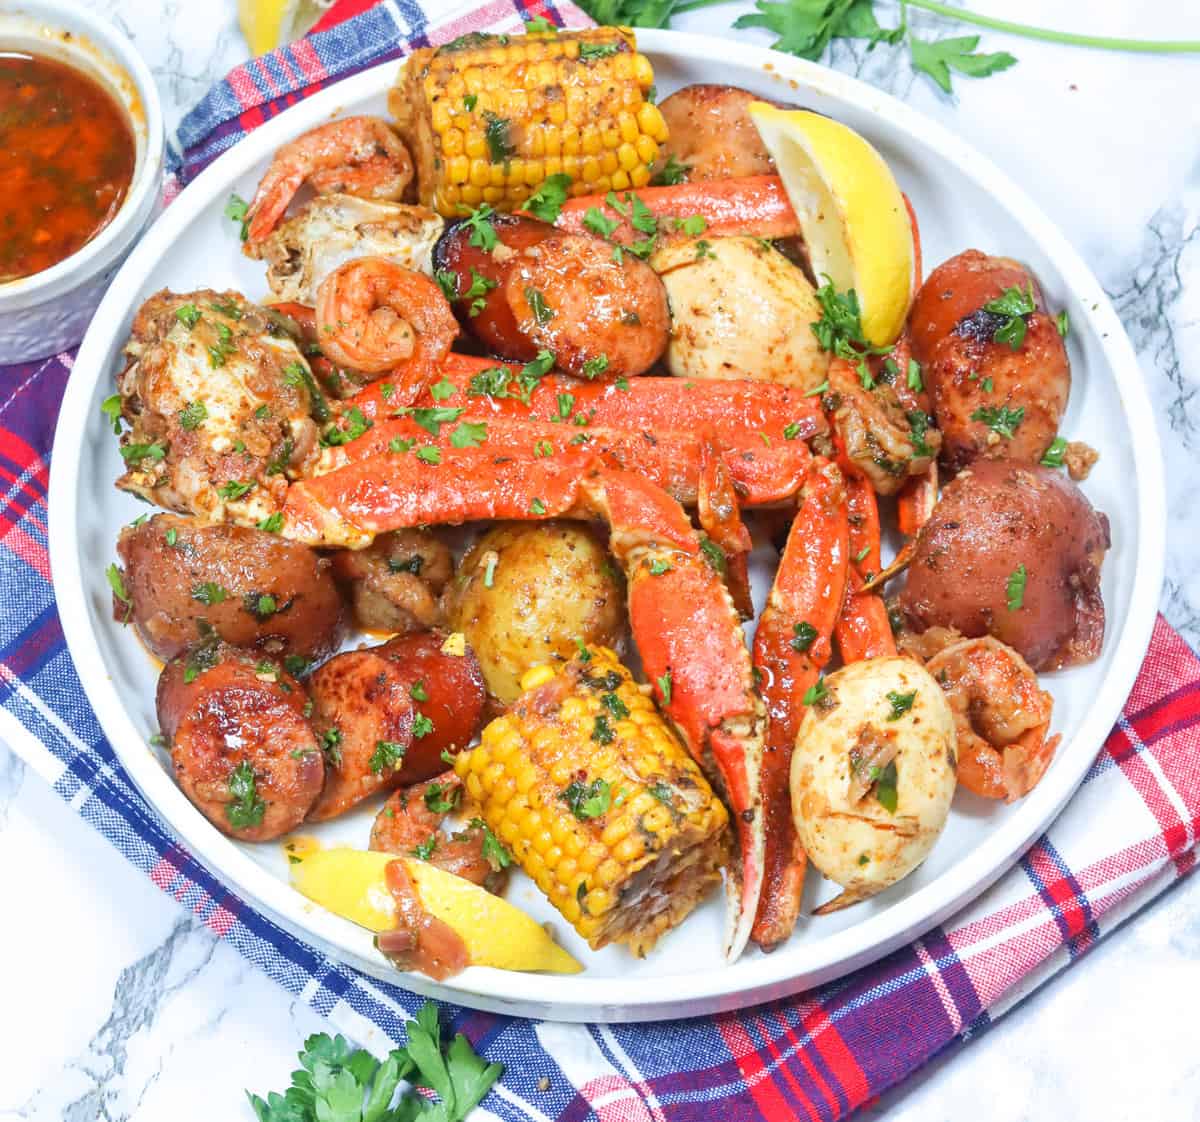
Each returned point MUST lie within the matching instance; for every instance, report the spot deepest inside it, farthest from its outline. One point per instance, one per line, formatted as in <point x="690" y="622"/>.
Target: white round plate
<point x="962" y="201"/>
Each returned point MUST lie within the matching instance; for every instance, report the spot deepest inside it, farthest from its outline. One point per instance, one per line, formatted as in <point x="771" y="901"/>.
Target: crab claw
<point x="791" y="646"/>
<point x="706" y="688"/>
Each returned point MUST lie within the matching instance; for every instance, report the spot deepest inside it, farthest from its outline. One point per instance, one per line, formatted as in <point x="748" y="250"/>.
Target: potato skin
<point x="858" y="843"/>
<point x="161" y="580"/>
<point x="552" y="583"/>
<point x="237" y="708"/>
<point x="993" y="518"/>
<point x="740" y="311"/>
<point x="966" y="370"/>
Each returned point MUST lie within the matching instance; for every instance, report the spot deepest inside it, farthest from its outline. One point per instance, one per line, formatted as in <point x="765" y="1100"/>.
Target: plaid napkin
<point x="1126" y="836"/>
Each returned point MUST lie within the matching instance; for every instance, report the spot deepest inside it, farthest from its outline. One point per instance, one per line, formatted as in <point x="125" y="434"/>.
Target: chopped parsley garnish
<point x="915" y="381"/>
<point x="602" y="731"/>
<point x="1055" y="454"/>
<point x="494" y="850"/>
<point x="537" y="507"/>
<point x="442" y="799"/>
<point x="356" y="425"/>
<point x="422" y="726"/>
<point x="417" y="690"/>
<point x="704" y="249"/>
<point x="272" y="524"/>
<point x="803" y="636"/>
<point x="226" y="308"/>
<point x="134" y="453"/>
<point x="791" y="431"/>
<point x="1014" y="588"/>
<point x="111" y="408"/>
<point x="659" y="566"/>
<point x="693" y="226"/>
<point x="500" y="145"/>
<point x="587" y="800"/>
<point x="245" y="808"/>
<point x="901" y="703"/>
<point x="171" y="536"/>
<point x="424" y="851"/>
<point x="331" y="741"/>
<point x="660" y="791"/>
<point x="595" y="366"/>
<point x="442" y="390"/>
<point x="261" y="605"/>
<point x="642" y="218"/>
<point x="613" y="703"/>
<point x="236" y="210"/>
<point x="388" y="753"/>
<point x="296" y="664"/>
<point x="429" y="454"/>
<point x="399" y="444"/>
<point x="594" y="219"/>
<point x="817" y="391"/>
<point x="840" y="330"/>
<point x="1013" y="304"/>
<point x="714" y="555"/>
<point x="1000" y="419"/>
<point x="670" y="174"/>
<point x="1063" y="322"/>
<point x="664" y="687"/>
<point x="918" y="423"/>
<point x="885" y="786"/>
<point x="220" y="351"/>
<point x="483" y="233"/>
<point x="234" y="489"/>
<point x="470" y="434"/>
<point x="584" y="654"/>
<point x="209" y="593"/>
<point x="470" y="101"/>
<point x="597" y="50"/>
<point x="816" y="692"/>
<point x="188" y="315"/>
<point x="547" y="201"/>
<point x="542" y="312"/>
<point x="431" y="420"/>
<point x="448" y="283"/>
<point x="117" y="583"/>
<point x="477" y="293"/>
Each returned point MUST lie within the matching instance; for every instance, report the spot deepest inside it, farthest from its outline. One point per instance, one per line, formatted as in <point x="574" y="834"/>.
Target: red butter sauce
<point x="419" y="941"/>
<point x="66" y="161"/>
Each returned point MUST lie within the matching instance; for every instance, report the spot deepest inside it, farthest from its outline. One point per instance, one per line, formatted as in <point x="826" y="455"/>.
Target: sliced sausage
<point x="241" y="746"/>
<point x="385" y="715"/>
<point x="711" y="133"/>
<point x="187" y="580"/>
<point x="363" y="714"/>
<point x="600" y="317"/>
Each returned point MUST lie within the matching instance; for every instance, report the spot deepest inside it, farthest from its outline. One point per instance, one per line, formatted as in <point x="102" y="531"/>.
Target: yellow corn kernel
<point x="640" y="176"/>
<point x="647" y="150"/>
<point x="627" y="157"/>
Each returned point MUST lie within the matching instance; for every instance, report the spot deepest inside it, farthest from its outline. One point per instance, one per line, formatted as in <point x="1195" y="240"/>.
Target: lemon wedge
<point x="351" y="884"/>
<point x="267" y="24"/>
<point x="851" y="211"/>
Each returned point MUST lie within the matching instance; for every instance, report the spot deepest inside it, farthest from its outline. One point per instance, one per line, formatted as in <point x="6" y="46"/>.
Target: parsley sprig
<point x="806" y="28"/>
<point x="338" y="1083"/>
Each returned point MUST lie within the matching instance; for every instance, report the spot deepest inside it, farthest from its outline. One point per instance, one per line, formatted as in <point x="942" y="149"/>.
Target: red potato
<point x="241" y="746"/>
<point x="990" y="401"/>
<point x="386" y="714"/>
<point x="253" y="589"/>
<point x="1013" y="551"/>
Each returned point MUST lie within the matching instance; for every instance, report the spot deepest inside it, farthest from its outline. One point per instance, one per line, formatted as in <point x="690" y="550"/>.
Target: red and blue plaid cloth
<point x="1128" y="833"/>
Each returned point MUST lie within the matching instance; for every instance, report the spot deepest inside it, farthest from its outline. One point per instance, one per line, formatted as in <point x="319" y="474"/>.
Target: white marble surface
<point x="118" y="1006"/>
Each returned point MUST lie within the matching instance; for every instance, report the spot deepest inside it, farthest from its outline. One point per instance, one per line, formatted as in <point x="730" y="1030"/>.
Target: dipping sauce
<point x="66" y="161"/>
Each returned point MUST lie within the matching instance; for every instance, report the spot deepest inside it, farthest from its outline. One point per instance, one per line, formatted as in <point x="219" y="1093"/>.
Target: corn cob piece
<point x="489" y="117"/>
<point x="599" y="803"/>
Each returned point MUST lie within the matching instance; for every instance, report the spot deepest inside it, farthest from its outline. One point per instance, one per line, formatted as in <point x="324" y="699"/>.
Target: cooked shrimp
<point x="374" y="316"/>
<point x="351" y="156"/>
<point x="409" y="823"/>
<point x="396" y="581"/>
<point x="1001" y="717"/>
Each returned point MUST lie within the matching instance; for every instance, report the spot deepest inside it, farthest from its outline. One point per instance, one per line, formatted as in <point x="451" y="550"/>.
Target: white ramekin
<point x="48" y="312"/>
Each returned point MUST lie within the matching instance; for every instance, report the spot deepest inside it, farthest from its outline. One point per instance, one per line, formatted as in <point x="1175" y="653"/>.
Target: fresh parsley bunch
<point x="806" y="28"/>
<point x="338" y="1083"/>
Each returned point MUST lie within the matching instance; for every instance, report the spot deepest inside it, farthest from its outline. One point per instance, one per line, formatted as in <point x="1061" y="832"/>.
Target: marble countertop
<point x="120" y="1007"/>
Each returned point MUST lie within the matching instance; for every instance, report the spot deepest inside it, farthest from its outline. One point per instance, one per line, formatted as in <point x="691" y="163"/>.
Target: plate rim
<point x="607" y="999"/>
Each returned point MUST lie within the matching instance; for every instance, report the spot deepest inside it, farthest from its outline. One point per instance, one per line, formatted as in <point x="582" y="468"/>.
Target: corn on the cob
<point x="599" y="803"/>
<point x="489" y="117"/>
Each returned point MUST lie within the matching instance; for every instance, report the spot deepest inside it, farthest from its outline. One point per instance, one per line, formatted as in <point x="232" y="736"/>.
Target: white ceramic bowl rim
<point x="94" y="255"/>
<point x="754" y="978"/>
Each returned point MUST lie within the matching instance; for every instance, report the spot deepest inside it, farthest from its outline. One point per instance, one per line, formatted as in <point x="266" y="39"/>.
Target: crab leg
<point x="687" y="631"/>
<point x="863" y="630"/>
<point x="791" y="646"/>
<point x="739" y="412"/>
<point x="671" y="458"/>
<point x="693" y="649"/>
<point x="720" y="516"/>
<point x="755" y="206"/>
